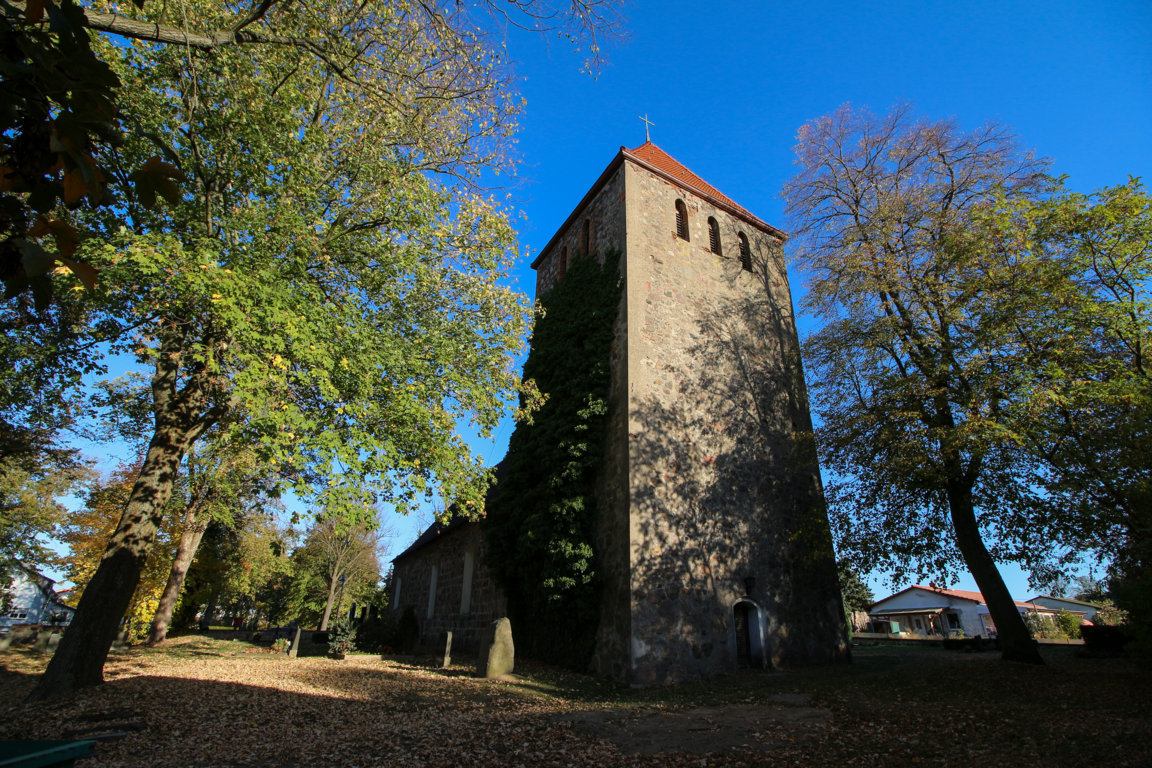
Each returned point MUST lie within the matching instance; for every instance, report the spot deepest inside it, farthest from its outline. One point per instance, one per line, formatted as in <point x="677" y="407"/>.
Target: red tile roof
<point x="975" y="597"/>
<point x="656" y="158"/>
<point x="963" y="594"/>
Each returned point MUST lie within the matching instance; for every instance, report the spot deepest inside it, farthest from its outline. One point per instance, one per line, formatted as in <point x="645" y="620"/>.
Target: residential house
<point x="32" y="599"/>
<point x="1067" y="604"/>
<point x="926" y="611"/>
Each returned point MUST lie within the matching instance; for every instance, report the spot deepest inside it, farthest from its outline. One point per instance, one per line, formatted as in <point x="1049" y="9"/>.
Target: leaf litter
<point x="202" y="702"/>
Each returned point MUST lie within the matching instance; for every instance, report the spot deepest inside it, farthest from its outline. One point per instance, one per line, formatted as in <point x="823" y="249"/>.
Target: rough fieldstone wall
<point x="723" y="482"/>
<point x="606" y="216"/>
<point x="447" y="553"/>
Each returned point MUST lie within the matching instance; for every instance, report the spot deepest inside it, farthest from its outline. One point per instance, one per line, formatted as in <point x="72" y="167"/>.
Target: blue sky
<point x="728" y="85"/>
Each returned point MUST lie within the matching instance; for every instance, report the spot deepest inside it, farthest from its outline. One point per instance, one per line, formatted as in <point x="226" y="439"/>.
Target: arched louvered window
<point x="586" y="238"/>
<point x="745" y="252"/>
<point x="562" y="267"/>
<point x="714" y="236"/>
<point x="681" y="220"/>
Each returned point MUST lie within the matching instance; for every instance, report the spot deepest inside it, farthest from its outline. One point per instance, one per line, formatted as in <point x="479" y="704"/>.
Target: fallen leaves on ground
<point x="203" y="702"/>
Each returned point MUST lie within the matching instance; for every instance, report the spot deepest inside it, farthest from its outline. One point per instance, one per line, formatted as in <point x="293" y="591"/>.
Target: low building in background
<point x="1088" y="610"/>
<point x="31" y="598"/>
<point x="932" y="611"/>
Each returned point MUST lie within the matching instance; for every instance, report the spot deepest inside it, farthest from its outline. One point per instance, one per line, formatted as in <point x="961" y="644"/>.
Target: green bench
<point x="43" y="754"/>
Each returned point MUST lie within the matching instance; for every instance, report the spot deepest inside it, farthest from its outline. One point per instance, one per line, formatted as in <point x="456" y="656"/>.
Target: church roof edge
<point x="656" y="160"/>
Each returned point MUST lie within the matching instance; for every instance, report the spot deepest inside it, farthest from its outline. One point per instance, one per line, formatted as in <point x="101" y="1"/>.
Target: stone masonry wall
<point x="413" y="573"/>
<point x="725" y="503"/>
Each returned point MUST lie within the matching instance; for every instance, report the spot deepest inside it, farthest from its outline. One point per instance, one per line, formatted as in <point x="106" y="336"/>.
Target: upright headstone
<point x="446" y="639"/>
<point x="41" y="644"/>
<point x="497" y="654"/>
<point x="294" y="647"/>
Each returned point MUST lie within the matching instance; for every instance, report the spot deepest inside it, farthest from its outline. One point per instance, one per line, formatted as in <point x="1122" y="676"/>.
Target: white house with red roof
<point x="925" y="611"/>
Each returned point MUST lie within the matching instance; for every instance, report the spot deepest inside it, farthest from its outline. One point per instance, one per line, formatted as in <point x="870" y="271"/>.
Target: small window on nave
<point x="745" y="252"/>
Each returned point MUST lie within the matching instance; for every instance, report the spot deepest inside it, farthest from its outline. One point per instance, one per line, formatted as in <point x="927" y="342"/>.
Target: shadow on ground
<point x="894" y="706"/>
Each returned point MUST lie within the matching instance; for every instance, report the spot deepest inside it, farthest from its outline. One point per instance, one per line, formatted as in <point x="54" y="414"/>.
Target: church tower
<point x="712" y="535"/>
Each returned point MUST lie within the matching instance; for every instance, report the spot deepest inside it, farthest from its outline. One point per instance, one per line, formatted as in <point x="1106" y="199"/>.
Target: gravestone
<point x="54" y="642"/>
<point x="41" y="644"/>
<point x="497" y="654"/>
<point x="22" y="636"/>
<point x="294" y="647"/>
<point x="446" y="641"/>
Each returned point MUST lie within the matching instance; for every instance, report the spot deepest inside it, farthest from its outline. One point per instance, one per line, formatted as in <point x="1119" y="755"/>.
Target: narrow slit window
<point x="586" y="238"/>
<point x="681" y="220"/>
<point x="745" y="252"/>
<point x="714" y="236"/>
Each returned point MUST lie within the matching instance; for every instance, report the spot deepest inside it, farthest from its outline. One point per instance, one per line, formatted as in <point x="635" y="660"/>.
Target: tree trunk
<point x="1016" y="642"/>
<point x="328" y="605"/>
<point x="79" y="660"/>
<point x="185" y="552"/>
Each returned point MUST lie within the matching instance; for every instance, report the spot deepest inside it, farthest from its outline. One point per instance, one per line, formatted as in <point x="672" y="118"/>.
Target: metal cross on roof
<point x="647" y="124"/>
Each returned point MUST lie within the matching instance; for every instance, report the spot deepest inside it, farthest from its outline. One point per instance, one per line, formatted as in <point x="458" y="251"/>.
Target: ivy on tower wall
<point x="540" y="521"/>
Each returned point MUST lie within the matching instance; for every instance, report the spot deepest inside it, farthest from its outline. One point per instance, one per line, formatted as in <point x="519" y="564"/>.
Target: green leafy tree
<point x="257" y="559"/>
<point x="316" y="283"/>
<point x="539" y="526"/>
<point x="337" y="562"/>
<point x="1083" y="346"/>
<point x="30" y="510"/>
<point x="856" y="593"/>
<point x="61" y="113"/>
<point x="1068" y="624"/>
<point x="58" y="122"/>
<point x="908" y="372"/>
<point x="1090" y="589"/>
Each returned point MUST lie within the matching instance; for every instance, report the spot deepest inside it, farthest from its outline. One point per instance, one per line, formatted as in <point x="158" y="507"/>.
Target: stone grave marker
<point x="294" y="647"/>
<point x="446" y="638"/>
<point x="497" y="654"/>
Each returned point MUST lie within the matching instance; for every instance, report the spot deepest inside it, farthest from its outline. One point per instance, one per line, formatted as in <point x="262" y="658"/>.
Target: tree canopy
<point x="325" y="285"/>
<point x="909" y="373"/>
<point x="982" y="375"/>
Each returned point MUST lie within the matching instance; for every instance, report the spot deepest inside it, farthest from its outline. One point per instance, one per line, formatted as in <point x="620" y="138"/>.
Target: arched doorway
<point x="748" y="626"/>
